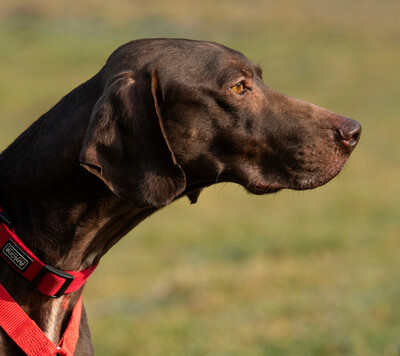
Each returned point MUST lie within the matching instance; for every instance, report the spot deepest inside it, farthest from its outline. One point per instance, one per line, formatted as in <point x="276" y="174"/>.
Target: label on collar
<point x="16" y="256"/>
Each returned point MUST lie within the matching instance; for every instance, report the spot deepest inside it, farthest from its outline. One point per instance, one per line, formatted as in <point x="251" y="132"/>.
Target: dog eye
<point x="239" y="88"/>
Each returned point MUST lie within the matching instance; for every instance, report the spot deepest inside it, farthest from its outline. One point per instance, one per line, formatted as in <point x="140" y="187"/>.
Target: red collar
<point x="45" y="279"/>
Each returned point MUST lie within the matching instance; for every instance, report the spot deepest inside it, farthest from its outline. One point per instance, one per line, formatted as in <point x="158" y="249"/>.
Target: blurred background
<point x="296" y="273"/>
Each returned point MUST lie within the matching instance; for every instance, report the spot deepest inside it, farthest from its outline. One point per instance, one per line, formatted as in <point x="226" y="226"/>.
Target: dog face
<point x="219" y="122"/>
<point x="225" y="124"/>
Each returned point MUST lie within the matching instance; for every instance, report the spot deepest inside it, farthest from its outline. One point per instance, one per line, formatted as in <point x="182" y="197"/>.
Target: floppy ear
<point x="125" y="145"/>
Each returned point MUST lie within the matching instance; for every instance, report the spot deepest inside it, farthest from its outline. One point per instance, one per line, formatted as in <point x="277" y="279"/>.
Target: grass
<point x="297" y="273"/>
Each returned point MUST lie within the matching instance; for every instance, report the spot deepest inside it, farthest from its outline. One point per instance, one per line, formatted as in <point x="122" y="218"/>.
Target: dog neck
<point x="85" y="235"/>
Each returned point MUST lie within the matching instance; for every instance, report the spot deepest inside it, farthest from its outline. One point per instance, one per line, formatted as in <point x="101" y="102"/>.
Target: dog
<point x="163" y="119"/>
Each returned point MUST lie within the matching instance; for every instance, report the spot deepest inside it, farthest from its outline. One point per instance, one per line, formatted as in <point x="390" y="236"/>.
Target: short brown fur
<point x="158" y="122"/>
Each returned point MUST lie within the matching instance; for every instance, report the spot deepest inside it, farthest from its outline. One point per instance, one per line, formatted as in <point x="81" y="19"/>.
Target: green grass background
<point x="297" y="273"/>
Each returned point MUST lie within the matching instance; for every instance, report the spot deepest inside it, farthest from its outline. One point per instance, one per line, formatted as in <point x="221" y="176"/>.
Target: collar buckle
<point x="51" y="270"/>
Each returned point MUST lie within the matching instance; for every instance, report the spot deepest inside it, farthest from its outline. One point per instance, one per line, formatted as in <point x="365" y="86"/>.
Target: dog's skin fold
<point x="162" y="119"/>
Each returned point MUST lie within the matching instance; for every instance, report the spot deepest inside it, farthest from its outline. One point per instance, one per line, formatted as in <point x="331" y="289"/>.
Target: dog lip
<point x="263" y="188"/>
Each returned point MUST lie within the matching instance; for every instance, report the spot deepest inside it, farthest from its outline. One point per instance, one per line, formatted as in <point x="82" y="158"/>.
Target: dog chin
<point x="316" y="180"/>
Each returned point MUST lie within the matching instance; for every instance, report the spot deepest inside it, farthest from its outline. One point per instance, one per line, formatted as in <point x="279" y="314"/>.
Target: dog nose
<point x="349" y="131"/>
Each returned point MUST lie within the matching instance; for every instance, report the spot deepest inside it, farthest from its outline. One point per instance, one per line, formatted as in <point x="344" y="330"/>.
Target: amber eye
<point x="238" y="88"/>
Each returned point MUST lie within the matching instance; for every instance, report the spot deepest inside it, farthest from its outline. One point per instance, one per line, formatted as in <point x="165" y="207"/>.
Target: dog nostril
<point x="355" y="138"/>
<point x="350" y="131"/>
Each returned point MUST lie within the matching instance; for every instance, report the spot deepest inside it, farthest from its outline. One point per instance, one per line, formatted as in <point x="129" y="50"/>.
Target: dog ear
<point x="126" y="147"/>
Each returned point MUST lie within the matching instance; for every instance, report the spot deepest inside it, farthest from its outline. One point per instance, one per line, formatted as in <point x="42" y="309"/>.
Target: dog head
<point x="180" y="115"/>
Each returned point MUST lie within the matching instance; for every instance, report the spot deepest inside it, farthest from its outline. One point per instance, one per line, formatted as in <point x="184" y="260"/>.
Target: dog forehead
<point x="177" y="55"/>
<point x="207" y="62"/>
<point x="181" y="64"/>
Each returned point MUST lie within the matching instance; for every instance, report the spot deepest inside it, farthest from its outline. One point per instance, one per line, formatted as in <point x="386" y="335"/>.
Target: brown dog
<point x="163" y="118"/>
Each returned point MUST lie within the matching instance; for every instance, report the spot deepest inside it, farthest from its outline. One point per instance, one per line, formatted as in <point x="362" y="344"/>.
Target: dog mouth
<point x="297" y="181"/>
<point x="255" y="182"/>
<point x="263" y="188"/>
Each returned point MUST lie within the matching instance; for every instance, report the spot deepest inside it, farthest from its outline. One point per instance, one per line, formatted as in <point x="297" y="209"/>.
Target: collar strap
<point x="47" y="280"/>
